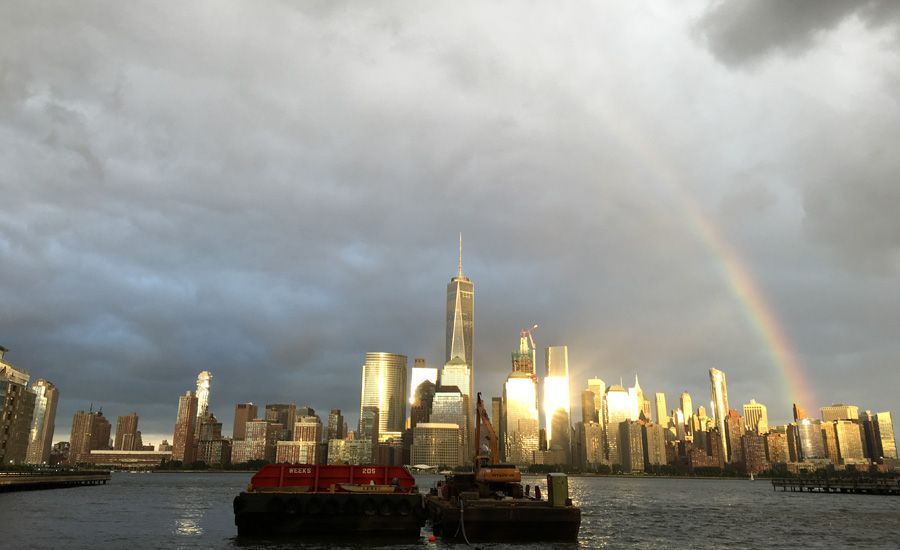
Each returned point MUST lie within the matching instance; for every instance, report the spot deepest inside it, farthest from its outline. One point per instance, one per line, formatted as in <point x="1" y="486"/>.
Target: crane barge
<point x="490" y="504"/>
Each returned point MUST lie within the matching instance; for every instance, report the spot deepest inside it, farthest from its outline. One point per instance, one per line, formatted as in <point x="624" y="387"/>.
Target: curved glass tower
<point x="384" y="387"/>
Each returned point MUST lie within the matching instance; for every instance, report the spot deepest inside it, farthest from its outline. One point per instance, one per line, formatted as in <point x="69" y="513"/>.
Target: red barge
<point x="308" y="499"/>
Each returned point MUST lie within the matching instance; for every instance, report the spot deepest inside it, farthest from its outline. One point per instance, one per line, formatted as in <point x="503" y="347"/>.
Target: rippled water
<point x="137" y="511"/>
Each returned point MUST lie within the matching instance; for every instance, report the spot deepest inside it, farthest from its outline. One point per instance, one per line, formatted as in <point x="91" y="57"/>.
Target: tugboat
<point x="317" y="500"/>
<point x="490" y="505"/>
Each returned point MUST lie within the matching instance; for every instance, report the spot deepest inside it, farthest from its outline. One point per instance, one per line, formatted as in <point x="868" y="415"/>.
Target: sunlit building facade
<point x="885" y="442"/>
<point x="435" y="444"/>
<point x="557" y="401"/>
<point x="662" y="414"/>
<point x="243" y="413"/>
<point x="420" y="372"/>
<point x="461" y="321"/>
<point x="849" y="441"/>
<point x="384" y="386"/>
<point x="450" y="406"/>
<point x="184" y="443"/>
<point x="617" y="409"/>
<point x="40" y="438"/>
<point x="809" y="436"/>
<point x="127" y="438"/>
<point x="839" y="411"/>
<point x="522" y="422"/>
<point x="756" y="417"/>
<point x="719" y="402"/>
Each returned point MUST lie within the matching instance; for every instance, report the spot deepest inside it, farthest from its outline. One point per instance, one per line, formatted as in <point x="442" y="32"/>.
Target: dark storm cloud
<point x="744" y="32"/>
<point x="269" y="191"/>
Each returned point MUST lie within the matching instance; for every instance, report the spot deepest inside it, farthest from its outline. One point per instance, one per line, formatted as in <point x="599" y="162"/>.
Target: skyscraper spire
<point x="460" y="256"/>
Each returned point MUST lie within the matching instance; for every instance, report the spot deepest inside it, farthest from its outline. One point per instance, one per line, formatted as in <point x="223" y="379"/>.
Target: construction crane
<point x="490" y="474"/>
<point x="526" y="337"/>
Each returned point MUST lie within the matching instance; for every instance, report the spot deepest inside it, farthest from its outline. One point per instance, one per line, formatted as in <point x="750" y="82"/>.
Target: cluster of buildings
<point x="424" y="415"/>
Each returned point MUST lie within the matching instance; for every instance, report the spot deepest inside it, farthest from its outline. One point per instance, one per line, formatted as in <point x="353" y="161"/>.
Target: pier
<point x="32" y="481"/>
<point x="864" y="486"/>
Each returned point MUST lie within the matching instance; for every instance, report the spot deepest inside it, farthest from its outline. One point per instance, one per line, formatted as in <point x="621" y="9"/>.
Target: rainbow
<point x="759" y="313"/>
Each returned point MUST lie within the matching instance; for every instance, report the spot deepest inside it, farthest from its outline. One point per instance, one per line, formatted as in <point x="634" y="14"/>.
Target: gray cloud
<point x="269" y="192"/>
<point x="741" y="33"/>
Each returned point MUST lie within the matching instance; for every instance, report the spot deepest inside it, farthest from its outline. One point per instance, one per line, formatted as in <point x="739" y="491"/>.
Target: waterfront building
<point x="753" y="451"/>
<point x="184" y="447"/>
<point x="214" y="452"/>
<point x="17" y="403"/>
<point x="384" y="387"/>
<point x="350" y="451"/>
<point x="849" y="441"/>
<point x="886" y="444"/>
<point x="654" y="443"/>
<point x="127" y="433"/>
<point x="631" y="446"/>
<point x="436" y="444"/>
<point x="43" y="420"/>
<point x="164" y="447"/>
<point x="420" y="373"/>
<point x="296" y="452"/>
<point x="557" y="402"/>
<point x="450" y="406"/>
<point x="777" y="448"/>
<point x="829" y="440"/>
<point x="90" y="432"/>
<point x="661" y="415"/>
<point x="756" y="417"/>
<point x="719" y="398"/>
<point x="286" y="415"/>
<point x="686" y="405"/>
<point x="126" y="460"/>
<point x="308" y="430"/>
<point x="259" y="443"/>
<point x="867" y="429"/>
<point x="617" y="409"/>
<point x="204" y="381"/>
<point x="335" y="428"/>
<point x="734" y="427"/>
<point x="243" y="413"/>
<point x="839" y="411"/>
<point x="521" y="418"/>
<point x="809" y="436"/>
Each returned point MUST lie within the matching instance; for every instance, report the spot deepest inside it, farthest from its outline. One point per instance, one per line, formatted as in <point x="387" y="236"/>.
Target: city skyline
<point x="661" y="188"/>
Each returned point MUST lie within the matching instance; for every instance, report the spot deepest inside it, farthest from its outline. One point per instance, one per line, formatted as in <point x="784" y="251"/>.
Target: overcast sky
<point x="268" y="190"/>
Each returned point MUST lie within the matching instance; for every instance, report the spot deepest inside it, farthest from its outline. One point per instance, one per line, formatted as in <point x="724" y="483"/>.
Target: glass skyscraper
<point x="384" y="387"/>
<point x="557" y="401"/>
<point x="40" y="439"/>
<point x="719" y="396"/>
<point x="461" y="320"/>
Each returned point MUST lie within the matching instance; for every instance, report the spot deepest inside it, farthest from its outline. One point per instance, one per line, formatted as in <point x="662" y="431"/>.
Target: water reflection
<point x="189" y="510"/>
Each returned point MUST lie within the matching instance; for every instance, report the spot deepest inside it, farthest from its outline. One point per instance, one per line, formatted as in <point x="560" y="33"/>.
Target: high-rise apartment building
<point x="420" y="373"/>
<point x="886" y="444"/>
<point x="204" y="381"/>
<point x="90" y="431"/>
<point x="43" y="420"/>
<point x="777" y="448"/>
<point x="286" y="415"/>
<point x="384" y="387"/>
<point x="654" y="442"/>
<point x="631" y="446"/>
<point x="719" y="398"/>
<point x="184" y="444"/>
<point x="734" y="428"/>
<point x="756" y="417"/>
<point x="17" y="404"/>
<point x="127" y="433"/>
<point x="243" y="413"/>
<point x="686" y="405"/>
<point x="595" y="453"/>
<point x="557" y="401"/>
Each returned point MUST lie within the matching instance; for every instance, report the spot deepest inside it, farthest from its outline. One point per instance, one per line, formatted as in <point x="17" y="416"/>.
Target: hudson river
<point x="138" y="511"/>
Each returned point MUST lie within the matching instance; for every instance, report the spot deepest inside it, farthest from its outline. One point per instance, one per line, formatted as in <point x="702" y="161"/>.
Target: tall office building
<point x="384" y="387"/>
<point x="588" y="407"/>
<point x="498" y="414"/>
<point x="557" y="401"/>
<point x="243" y="413"/>
<point x="849" y="441"/>
<point x="598" y="387"/>
<point x="184" y="445"/>
<point x="617" y="409"/>
<point x="456" y="373"/>
<point x="17" y="404"/>
<point x="595" y="454"/>
<point x="521" y="418"/>
<point x="719" y="398"/>
<point x="127" y="433"/>
<point x="435" y="444"/>
<point x="662" y="417"/>
<point x="839" y="411"/>
<point x="369" y="423"/>
<point x="335" y="428"/>
<point x="461" y="320"/>
<point x="636" y="398"/>
<point x="631" y="446"/>
<point x="90" y="432"/>
<point x="799" y="413"/>
<point x="686" y="405"/>
<point x="809" y="436"/>
<point x="43" y="420"/>
<point x="734" y="430"/>
<point x="420" y="373"/>
<point x="756" y="417"/>
<point x="450" y="407"/>
<point x="204" y="380"/>
<point x="885" y="443"/>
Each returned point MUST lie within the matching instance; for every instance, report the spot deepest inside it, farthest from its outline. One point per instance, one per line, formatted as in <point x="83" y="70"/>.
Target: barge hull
<point x="290" y="513"/>
<point x="503" y="521"/>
